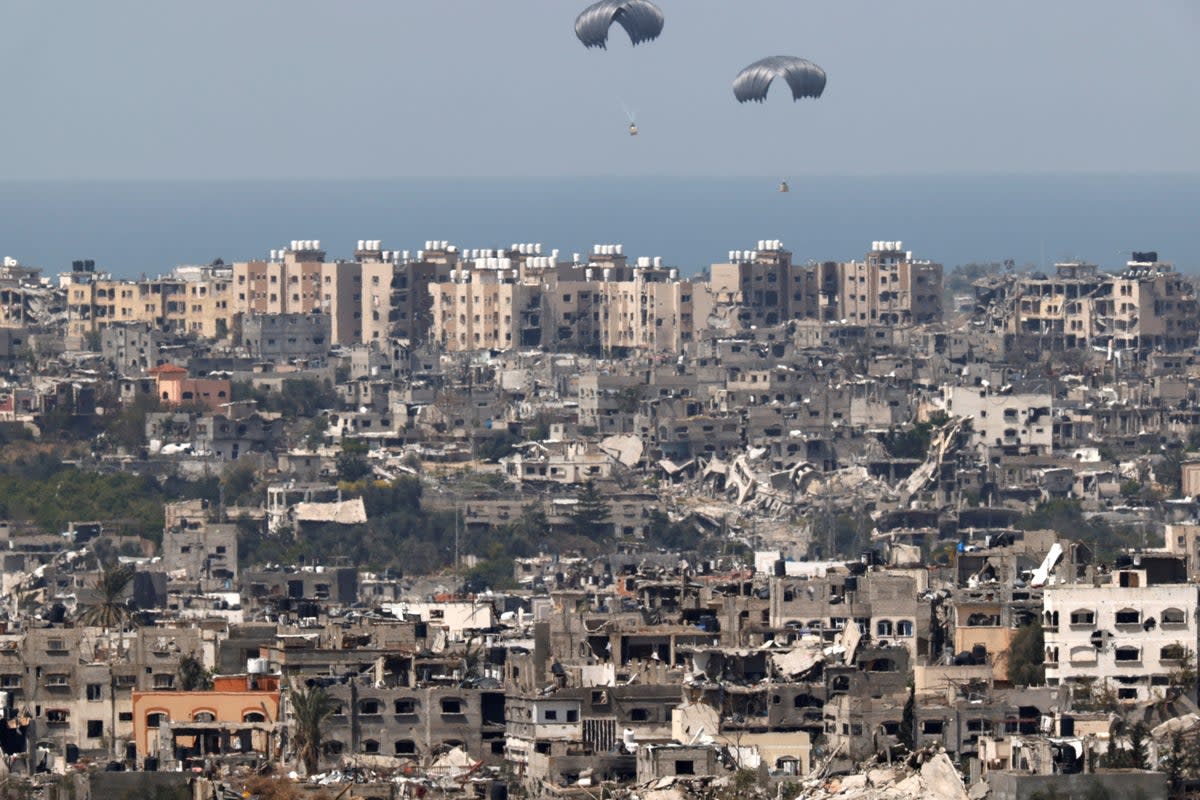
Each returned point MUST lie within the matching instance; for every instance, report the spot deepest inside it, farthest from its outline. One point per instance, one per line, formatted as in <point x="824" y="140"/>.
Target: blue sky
<point x="387" y="88"/>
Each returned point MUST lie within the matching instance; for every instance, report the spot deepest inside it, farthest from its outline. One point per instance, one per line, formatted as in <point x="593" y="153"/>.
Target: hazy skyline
<point x="303" y="89"/>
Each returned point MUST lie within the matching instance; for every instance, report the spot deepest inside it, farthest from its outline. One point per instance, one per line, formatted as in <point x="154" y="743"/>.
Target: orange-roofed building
<point x="239" y="715"/>
<point x="173" y="387"/>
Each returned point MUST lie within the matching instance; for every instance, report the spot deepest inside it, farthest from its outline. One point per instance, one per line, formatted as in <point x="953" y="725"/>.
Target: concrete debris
<point x="942" y="780"/>
<point x="936" y="779"/>
<point x="800" y="660"/>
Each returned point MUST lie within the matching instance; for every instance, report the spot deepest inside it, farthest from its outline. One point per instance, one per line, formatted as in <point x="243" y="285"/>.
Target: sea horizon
<point x="135" y="226"/>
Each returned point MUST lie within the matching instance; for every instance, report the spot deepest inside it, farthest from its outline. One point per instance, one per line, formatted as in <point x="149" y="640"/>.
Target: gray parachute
<point x="805" y="78"/>
<point x="641" y="19"/>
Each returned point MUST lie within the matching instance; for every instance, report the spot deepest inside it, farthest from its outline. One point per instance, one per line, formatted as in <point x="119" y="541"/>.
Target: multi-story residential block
<point x="1127" y="635"/>
<point x="193" y="300"/>
<point x="287" y="337"/>
<point x="488" y="308"/>
<point x="1147" y="307"/>
<point x="1016" y="422"/>
<point x="762" y="283"/>
<point x="889" y="287"/>
<point x="203" y="549"/>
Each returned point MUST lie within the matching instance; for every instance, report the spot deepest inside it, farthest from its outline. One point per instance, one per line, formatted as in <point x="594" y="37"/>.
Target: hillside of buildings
<point x="512" y="521"/>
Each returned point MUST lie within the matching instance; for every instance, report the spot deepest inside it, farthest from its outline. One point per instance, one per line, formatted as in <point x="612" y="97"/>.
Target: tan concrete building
<point x="396" y="300"/>
<point x="890" y="288"/>
<point x="190" y="300"/>
<point x="1148" y="306"/>
<point x="298" y="280"/>
<point x="487" y="309"/>
<point x="763" y="283"/>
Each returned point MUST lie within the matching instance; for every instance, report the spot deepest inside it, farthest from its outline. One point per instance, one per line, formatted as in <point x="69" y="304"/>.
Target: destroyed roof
<point x="344" y="512"/>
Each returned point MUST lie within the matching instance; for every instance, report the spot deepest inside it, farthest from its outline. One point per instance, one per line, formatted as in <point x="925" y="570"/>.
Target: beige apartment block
<point x="1147" y="307"/>
<point x="889" y="287"/>
<point x="486" y="309"/>
<point x="190" y="300"/>
<point x="763" y="283"/>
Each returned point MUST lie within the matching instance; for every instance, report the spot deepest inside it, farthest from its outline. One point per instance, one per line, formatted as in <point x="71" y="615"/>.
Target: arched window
<point x="1129" y="616"/>
<point x="370" y="706"/>
<point x="1172" y="652"/>
<point x="1174" y="616"/>
<point x="1128" y="653"/>
<point x="405" y="705"/>
<point x="883" y="627"/>
<point x="806" y="701"/>
<point x="254" y="716"/>
<point x="904" y="627"/>
<point x="204" y="716"/>
<point x="155" y="719"/>
<point x="370" y="746"/>
<point x="405" y="747"/>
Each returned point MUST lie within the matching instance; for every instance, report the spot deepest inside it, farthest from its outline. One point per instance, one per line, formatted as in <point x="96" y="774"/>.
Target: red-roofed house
<point x="173" y="387"/>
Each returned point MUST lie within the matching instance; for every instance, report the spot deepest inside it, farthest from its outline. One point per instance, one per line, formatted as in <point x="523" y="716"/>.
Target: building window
<point x="405" y="705"/>
<point x="1127" y="653"/>
<point x="452" y="705"/>
<point x="1174" y="616"/>
<point x="1129" y="616"/>
<point x="904" y="628"/>
<point x="95" y="728"/>
<point x="883" y="627"/>
<point x="1172" y="652"/>
<point x="1083" y="616"/>
<point x="95" y="692"/>
<point x="405" y="747"/>
<point x="370" y="746"/>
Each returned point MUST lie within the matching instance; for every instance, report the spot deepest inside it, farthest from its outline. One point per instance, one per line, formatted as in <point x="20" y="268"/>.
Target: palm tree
<point x="312" y="707"/>
<point x="109" y="609"/>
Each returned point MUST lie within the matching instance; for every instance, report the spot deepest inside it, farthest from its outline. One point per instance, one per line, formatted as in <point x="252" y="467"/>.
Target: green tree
<point x="1026" y="654"/>
<point x="193" y="675"/>
<point x="239" y="483"/>
<point x="1136" y="755"/>
<point x="109" y="610"/>
<point x="352" y="463"/>
<point x="1176" y="764"/>
<point x="591" y="514"/>
<point x="312" y="707"/>
<point x="498" y="445"/>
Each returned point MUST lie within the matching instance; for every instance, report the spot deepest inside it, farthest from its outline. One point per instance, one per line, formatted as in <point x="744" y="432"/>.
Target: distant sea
<point x="131" y="228"/>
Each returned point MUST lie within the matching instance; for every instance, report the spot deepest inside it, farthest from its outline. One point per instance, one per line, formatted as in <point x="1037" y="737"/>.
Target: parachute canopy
<point x="641" y="19"/>
<point x="804" y="77"/>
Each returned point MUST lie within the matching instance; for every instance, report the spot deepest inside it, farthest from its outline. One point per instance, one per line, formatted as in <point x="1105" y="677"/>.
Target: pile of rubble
<point x="936" y="778"/>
